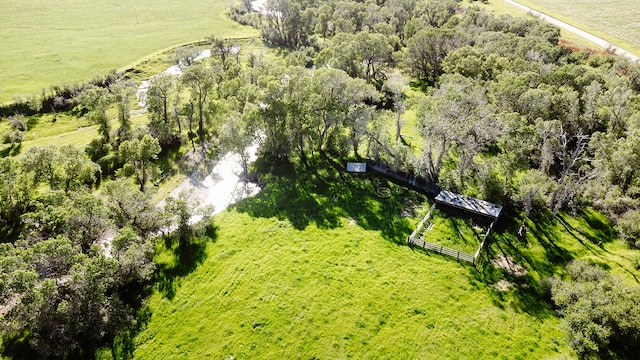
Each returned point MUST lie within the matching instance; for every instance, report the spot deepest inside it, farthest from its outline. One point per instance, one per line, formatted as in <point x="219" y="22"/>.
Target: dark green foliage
<point x="601" y="313"/>
<point x="70" y="303"/>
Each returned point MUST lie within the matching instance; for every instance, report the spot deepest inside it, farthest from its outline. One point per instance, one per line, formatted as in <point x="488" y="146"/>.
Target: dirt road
<point x="563" y="25"/>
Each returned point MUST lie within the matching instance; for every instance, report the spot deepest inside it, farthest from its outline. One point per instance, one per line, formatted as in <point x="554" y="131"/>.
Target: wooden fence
<point x="404" y="178"/>
<point x="428" y="188"/>
<point x="442" y="250"/>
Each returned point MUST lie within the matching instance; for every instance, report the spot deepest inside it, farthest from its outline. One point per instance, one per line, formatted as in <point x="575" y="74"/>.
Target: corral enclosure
<point x="69" y="41"/>
<point x="446" y="228"/>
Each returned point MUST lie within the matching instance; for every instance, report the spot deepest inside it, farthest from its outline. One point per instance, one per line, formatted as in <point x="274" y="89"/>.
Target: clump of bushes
<point x="601" y="313"/>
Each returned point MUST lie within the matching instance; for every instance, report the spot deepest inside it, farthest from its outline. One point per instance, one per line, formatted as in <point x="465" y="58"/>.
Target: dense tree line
<point x="505" y="113"/>
<point x="64" y="287"/>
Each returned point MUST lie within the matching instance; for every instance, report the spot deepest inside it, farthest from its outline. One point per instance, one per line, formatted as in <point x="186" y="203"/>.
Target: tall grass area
<point x="315" y="266"/>
<point x="613" y="20"/>
<point x="48" y="43"/>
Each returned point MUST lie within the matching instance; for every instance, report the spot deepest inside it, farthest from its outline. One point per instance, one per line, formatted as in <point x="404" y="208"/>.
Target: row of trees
<point x="506" y="114"/>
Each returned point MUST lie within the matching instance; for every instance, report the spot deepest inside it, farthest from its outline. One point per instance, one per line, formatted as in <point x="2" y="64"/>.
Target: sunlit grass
<point x="268" y="290"/>
<point x="500" y="7"/>
<point x="455" y="232"/>
<point x="318" y="267"/>
<point x="48" y="43"/>
<point x="612" y="20"/>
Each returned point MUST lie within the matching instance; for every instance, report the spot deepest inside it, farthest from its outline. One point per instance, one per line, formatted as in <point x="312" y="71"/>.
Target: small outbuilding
<point x="472" y="205"/>
<point x="354" y="167"/>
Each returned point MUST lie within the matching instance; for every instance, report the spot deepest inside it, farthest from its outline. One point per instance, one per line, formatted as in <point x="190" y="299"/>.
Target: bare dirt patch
<point x="503" y="285"/>
<point x="507" y="264"/>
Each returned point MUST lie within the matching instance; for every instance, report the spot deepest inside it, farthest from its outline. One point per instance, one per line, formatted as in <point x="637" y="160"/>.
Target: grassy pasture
<point x="500" y="7"/>
<point x="312" y="268"/>
<point x="315" y="266"/>
<point x="613" y="20"/>
<point x="48" y="43"/>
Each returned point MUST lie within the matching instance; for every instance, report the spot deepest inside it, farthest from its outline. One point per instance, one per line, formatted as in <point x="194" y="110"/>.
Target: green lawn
<point x="266" y="290"/>
<point x="613" y="20"/>
<point x="317" y="268"/>
<point x="48" y="43"/>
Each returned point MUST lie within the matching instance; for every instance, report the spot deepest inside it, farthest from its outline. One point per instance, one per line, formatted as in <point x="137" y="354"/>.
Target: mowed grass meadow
<point x="316" y="266"/>
<point x="266" y="290"/>
<point x="48" y="42"/>
<point x="612" y="20"/>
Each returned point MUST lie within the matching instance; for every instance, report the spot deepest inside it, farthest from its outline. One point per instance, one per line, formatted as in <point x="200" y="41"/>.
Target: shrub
<point x="600" y="313"/>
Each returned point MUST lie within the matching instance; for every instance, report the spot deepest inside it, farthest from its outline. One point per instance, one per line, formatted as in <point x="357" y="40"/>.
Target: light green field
<point x="266" y="290"/>
<point x="500" y="7"/>
<point x="613" y="20"/>
<point x="48" y="42"/>
<point x="317" y="267"/>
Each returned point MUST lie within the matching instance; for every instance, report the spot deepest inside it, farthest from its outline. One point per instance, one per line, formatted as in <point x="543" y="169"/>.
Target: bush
<point x="628" y="227"/>
<point x="601" y="313"/>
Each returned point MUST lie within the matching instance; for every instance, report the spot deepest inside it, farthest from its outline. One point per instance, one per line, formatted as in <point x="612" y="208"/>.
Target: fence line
<point x="421" y="224"/>
<point x="486" y="236"/>
<point x="404" y="178"/>
<point x="442" y="250"/>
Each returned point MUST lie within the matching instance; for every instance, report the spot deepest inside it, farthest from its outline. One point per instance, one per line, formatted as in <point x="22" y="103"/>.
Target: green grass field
<point x="500" y="7"/>
<point x="613" y="20"/>
<point x="304" y="274"/>
<point x="48" y="43"/>
<point x="315" y="266"/>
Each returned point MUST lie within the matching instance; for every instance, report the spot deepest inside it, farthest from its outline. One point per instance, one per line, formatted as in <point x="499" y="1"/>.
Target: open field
<point x="311" y="268"/>
<point x="297" y="274"/>
<point x="499" y="7"/>
<point x="48" y="43"/>
<point x="613" y="20"/>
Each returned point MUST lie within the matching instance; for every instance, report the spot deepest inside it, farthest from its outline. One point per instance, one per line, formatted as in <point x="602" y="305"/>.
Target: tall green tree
<point x="139" y="156"/>
<point x="123" y="92"/>
<point x="17" y="193"/>
<point x="128" y="206"/>
<point x="200" y="81"/>
<point x="97" y="100"/>
<point x="427" y="49"/>
<point x="162" y="90"/>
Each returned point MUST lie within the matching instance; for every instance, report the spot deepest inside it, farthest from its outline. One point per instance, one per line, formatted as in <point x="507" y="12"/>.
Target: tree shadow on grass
<point x="185" y="255"/>
<point x="539" y="253"/>
<point x="13" y="150"/>
<point x="322" y="195"/>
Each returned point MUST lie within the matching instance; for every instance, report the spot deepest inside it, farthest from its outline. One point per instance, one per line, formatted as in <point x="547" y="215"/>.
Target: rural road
<point x="594" y="39"/>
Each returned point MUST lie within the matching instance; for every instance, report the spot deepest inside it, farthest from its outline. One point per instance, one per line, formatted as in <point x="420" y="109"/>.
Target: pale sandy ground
<point x="594" y="39"/>
<point x="218" y="189"/>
